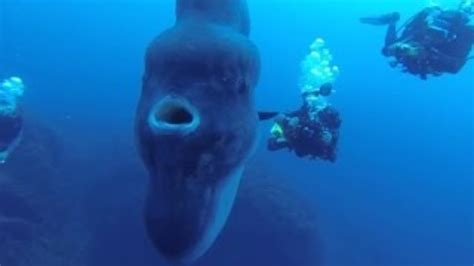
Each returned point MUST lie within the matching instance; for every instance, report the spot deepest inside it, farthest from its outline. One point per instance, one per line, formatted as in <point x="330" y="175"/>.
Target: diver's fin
<point x="386" y="19"/>
<point x="262" y="116"/>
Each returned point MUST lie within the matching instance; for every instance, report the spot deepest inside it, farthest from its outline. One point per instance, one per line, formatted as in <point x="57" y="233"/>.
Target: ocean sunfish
<point x="196" y="123"/>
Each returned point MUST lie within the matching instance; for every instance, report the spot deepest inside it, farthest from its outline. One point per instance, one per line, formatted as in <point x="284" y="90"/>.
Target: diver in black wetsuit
<point x="309" y="131"/>
<point x="310" y="136"/>
<point x="434" y="41"/>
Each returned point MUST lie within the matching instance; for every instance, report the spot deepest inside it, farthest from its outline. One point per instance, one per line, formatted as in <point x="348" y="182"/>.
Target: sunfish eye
<point x="242" y="87"/>
<point x="227" y="80"/>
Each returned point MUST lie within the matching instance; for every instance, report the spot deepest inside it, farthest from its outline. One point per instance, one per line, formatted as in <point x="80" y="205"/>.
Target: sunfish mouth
<point x="174" y="115"/>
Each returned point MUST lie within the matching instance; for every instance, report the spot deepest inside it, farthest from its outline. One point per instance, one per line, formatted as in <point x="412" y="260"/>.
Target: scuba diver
<point x="311" y="131"/>
<point x="433" y="42"/>
<point x="11" y="121"/>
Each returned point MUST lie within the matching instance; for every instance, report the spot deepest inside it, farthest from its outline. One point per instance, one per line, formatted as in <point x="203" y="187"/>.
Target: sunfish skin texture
<point x="196" y="124"/>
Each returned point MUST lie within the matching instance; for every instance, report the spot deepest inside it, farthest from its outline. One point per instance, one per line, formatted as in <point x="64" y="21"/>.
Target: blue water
<point x="400" y="193"/>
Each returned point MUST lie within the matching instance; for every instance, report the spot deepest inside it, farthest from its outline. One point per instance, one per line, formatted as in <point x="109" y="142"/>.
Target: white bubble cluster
<point x="317" y="68"/>
<point x="11" y="90"/>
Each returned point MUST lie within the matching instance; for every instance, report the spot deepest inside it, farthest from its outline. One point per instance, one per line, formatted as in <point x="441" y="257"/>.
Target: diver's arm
<point x="262" y="116"/>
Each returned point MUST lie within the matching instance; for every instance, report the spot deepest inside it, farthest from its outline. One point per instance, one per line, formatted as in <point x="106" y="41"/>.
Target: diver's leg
<point x="391" y="35"/>
<point x="386" y="19"/>
<point x="389" y="19"/>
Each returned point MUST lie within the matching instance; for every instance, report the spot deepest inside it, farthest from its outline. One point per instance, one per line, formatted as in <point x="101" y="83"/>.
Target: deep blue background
<point x="401" y="192"/>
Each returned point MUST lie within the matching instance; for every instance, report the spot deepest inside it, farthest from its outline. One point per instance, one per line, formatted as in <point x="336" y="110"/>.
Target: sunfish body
<point x="196" y="123"/>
